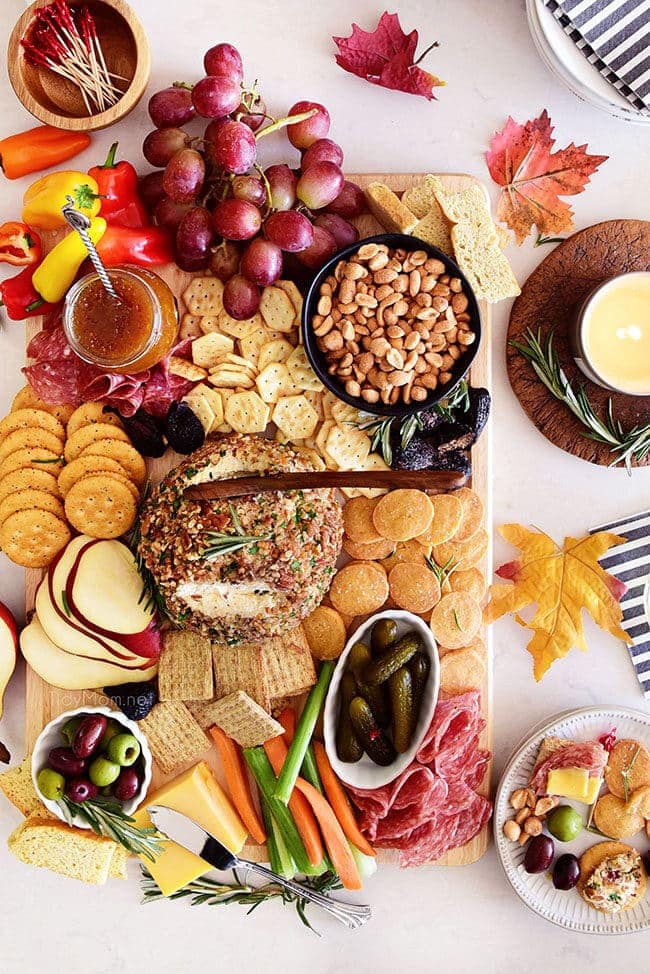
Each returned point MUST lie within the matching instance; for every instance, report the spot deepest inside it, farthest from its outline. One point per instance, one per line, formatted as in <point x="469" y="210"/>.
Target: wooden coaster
<point x="547" y="301"/>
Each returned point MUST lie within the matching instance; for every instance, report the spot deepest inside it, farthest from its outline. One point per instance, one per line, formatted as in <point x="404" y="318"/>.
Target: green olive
<point x="123" y="749"/>
<point x="384" y="634"/>
<point x="103" y="772"/>
<point x="70" y="728"/>
<point x="51" y="784"/>
<point x="564" y="823"/>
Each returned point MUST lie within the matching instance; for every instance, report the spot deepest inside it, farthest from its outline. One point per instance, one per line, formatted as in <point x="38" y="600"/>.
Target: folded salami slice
<point x="557" y="753"/>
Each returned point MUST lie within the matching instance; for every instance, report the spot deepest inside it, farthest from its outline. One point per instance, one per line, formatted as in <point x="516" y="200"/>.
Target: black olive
<point x="183" y="428"/>
<point x="145" y="430"/>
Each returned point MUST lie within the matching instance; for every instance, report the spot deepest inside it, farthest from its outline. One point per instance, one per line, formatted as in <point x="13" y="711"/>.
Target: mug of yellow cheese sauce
<point x="611" y="334"/>
<point x="129" y="334"/>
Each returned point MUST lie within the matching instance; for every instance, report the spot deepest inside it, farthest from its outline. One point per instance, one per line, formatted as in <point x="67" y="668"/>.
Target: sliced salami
<point x="589" y="755"/>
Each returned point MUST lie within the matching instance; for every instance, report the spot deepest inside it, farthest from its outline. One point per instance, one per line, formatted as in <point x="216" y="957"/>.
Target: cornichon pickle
<point x="384" y="634"/>
<point x="419" y="667"/>
<point x="348" y="747"/>
<point x="382" y="668"/>
<point x="368" y="732"/>
<point x="400" y="688"/>
<point x="376" y="696"/>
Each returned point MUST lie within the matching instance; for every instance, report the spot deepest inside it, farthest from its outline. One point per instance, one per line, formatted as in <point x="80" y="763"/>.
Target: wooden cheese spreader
<point x="433" y="481"/>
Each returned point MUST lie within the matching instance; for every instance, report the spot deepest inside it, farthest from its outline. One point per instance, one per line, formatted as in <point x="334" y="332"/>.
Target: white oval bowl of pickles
<point x="364" y="772"/>
<point x="51" y="737"/>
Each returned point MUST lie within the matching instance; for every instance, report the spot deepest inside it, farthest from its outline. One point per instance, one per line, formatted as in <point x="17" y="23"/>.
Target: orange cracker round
<point x="359" y="587"/>
<point x="413" y="588"/>
<point x="33" y="538"/>
<point x="447" y="514"/>
<point x="402" y="514"/>
<point x="29" y="479"/>
<point x="82" y="466"/>
<point x="325" y="632"/>
<point x="372" y="551"/>
<point x="357" y="520"/>
<point x="125" y="454"/>
<point x="30" y="437"/>
<point x="461" y="670"/>
<point x="473" y="513"/>
<point x="469" y="580"/>
<point x="89" y="413"/>
<point x="25" y="500"/>
<point x="100" y="506"/>
<point x="88" y="435"/>
<point x="32" y="417"/>
<point x="37" y="458"/>
<point x="455" y="620"/>
<point x="407" y="551"/>
<point x="462" y="554"/>
<point x="26" y="398"/>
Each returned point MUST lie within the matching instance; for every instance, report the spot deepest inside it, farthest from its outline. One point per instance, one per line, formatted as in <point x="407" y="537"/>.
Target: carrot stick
<point x="338" y="847"/>
<point x="276" y="752"/>
<point x="288" y="720"/>
<point x="237" y="781"/>
<point x="339" y="801"/>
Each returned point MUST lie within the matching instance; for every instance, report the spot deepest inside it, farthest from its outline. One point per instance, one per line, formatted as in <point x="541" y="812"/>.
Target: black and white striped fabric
<point x="630" y="563"/>
<point x="614" y="36"/>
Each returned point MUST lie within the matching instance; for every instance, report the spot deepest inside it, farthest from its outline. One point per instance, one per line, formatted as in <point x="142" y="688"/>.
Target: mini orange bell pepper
<point x="39" y="148"/>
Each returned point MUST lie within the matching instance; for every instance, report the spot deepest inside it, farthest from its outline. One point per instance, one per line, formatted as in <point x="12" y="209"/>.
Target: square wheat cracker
<point x="287" y="664"/>
<point x="240" y="668"/>
<point x="174" y="736"/>
<point x="185" y="667"/>
<point x="244" y="720"/>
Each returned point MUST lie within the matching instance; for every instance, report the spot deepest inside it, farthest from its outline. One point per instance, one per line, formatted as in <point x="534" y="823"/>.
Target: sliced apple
<point x="69" y="672"/>
<point x="8" y="648"/>
<point x="115" y="609"/>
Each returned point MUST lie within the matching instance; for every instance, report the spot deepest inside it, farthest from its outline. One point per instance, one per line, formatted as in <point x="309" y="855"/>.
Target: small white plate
<point x="566" y="908"/>
<point x="365" y="773"/>
<point x="50" y="737"/>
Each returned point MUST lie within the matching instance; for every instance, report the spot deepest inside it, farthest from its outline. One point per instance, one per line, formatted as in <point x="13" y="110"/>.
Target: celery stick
<point x="309" y="770"/>
<point x="304" y="731"/>
<point x="279" y="859"/>
<point x="260" y="765"/>
<point x="367" y="865"/>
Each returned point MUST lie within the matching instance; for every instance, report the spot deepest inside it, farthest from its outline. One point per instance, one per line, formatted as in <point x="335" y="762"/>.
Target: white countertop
<point x="455" y="919"/>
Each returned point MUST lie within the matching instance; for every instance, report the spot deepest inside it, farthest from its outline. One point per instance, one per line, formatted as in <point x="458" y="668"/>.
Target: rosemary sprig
<point x="627" y="771"/>
<point x="625" y="446"/>
<point x="442" y="572"/>
<point x="225" y="544"/>
<point x="213" y="893"/>
<point x="106" y="818"/>
<point x="380" y="430"/>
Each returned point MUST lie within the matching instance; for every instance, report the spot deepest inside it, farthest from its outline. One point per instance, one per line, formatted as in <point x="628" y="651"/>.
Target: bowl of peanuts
<point x="391" y="325"/>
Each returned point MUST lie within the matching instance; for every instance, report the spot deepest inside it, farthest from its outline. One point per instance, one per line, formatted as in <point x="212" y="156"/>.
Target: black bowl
<point x="317" y="358"/>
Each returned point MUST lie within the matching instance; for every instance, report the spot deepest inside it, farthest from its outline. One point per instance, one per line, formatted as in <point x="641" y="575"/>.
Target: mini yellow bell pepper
<point x="55" y="275"/>
<point x="44" y="200"/>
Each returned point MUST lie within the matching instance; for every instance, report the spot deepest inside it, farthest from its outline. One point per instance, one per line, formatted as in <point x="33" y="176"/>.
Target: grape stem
<point x="281" y="123"/>
<point x="267" y="188"/>
<point x="183" y="84"/>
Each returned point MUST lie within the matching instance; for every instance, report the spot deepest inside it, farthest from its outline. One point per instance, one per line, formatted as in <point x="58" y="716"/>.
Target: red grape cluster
<point x="228" y="213"/>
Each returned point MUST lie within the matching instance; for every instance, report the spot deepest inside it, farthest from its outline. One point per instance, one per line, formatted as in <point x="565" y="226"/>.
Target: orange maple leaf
<point x="561" y="582"/>
<point x="534" y="177"/>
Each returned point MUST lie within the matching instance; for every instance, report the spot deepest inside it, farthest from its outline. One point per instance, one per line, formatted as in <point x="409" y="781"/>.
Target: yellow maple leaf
<point x="561" y="582"/>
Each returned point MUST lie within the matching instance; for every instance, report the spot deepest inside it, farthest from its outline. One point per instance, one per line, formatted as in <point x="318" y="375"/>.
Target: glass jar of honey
<point x="129" y="334"/>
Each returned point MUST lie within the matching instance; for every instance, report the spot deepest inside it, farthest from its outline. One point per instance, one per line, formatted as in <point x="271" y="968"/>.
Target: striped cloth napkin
<point x="614" y="36"/>
<point x="630" y="563"/>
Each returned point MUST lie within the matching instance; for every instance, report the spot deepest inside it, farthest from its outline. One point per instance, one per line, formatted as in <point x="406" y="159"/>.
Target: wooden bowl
<point x="56" y="101"/>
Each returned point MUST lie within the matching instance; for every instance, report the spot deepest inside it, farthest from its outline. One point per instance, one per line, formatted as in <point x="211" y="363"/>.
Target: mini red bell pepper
<point x="118" y="187"/>
<point x="19" y="244"/>
<point x="21" y="299"/>
<point x="147" y="246"/>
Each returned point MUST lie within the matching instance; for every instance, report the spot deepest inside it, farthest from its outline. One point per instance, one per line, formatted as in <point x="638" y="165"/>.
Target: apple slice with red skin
<point x="113" y="608"/>
<point x="58" y="622"/>
<point x="8" y="648"/>
<point x="69" y="672"/>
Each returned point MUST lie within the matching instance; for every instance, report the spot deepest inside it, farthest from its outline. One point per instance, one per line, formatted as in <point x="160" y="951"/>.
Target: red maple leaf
<point x="385" y="57"/>
<point x="534" y="177"/>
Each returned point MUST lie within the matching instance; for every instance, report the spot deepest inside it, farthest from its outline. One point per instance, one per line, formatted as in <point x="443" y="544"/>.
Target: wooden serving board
<point x="44" y="702"/>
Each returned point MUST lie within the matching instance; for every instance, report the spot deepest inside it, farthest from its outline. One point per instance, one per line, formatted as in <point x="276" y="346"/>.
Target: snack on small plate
<point x="386" y="207"/>
<point x="244" y="720"/>
<point x="616" y="818"/>
<point x="628" y="768"/>
<point x="612" y="877"/>
<point x="174" y="736"/>
<point x="528" y="808"/>
<point x="185" y="667"/>
<point x="570" y="769"/>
